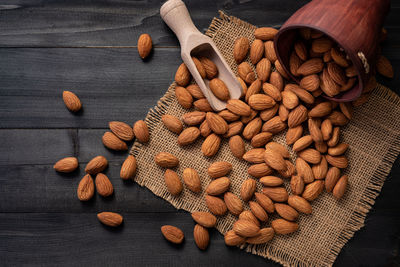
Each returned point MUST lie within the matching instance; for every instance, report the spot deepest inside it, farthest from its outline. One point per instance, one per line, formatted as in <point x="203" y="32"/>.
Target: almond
<point x="297" y="116"/>
<point x="195" y="91"/>
<point x="166" y="160"/>
<point x="281" y="70"/>
<point x="201" y="236"/>
<point x="193" y="118"/>
<point x="297" y="184"/>
<point x="173" y="183"/>
<point x="351" y="71"/>
<point x="336" y="73"/>
<point x="279" y="148"/>
<point x="265" y="202"/>
<point x="340" y="187"/>
<point x="233" y="203"/>
<point x="217" y="124"/>
<point x="259" y="170"/>
<point x="265" y="235"/>
<point x="172" y="234"/>
<point x="247" y="189"/>
<point x="317" y="92"/>
<point x="258" y="211"/>
<point x="289" y="99"/>
<point x="234" y="128"/>
<point x="128" y="169"/>
<point x="284" y="227"/>
<point x="103" y="185"/>
<point x="313" y="190"/>
<point x="233" y="239"/>
<point x="218" y="186"/>
<point x="85" y="188"/>
<point x="219" y="89"/>
<point x="245" y="228"/>
<point x="255" y="155"/>
<point x="183" y="96"/>
<point x="182" y="75"/>
<point x="302" y="94"/>
<point x="300" y="204"/>
<point x="321" y="45"/>
<point x="294" y="134"/>
<point x="321" y="110"/>
<point x="274" y="125"/>
<point x="202" y="105"/>
<point x="229" y="116"/>
<point x="270" y="51"/>
<point x="311" y="66"/>
<point x="315" y="131"/>
<point x="290" y="170"/>
<point x="269" y="113"/>
<point x="238" y="107"/>
<point x="219" y="169"/>
<point x="263" y="69"/>
<point x="384" y="67"/>
<point x="240" y="49"/>
<point x="111" y="141"/>
<point x="246" y="72"/>
<point x="261" y="139"/>
<point x="304" y="170"/>
<point x="252" y="128"/>
<point x="339" y="57"/>
<point x="335" y="137"/>
<point x="294" y="63"/>
<point x="256" y="51"/>
<point x="209" y="67"/>
<point x="340" y="162"/>
<point x="286" y="212"/>
<point x="205" y="219"/>
<point x="274" y="159"/>
<point x="248" y="215"/>
<point x="328" y="85"/>
<point x="200" y="68"/>
<point x="191" y="179"/>
<point x="310" y="82"/>
<point x="283" y="112"/>
<point x="346" y="109"/>
<point x="216" y="205"/>
<point x="211" y="145"/>
<point x="144" y="45"/>
<point x="278" y="194"/>
<point x="319" y="170"/>
<point x="243" y="84"/>
<point x="272" y="91"/>
<point x="188" y="136"/>
<point x="237" y="147"/>
<point x="301" y="50"/>
<point x="96" y="165"/>
<point x="326" y="129"/>
<point x="72" y="101"/>
<point x="265" y="33"/>
<point x="331" y="179"/>
<point x="254" y="88"/>
<point x="121" y="130"/>
<point x="310" y="155"/>
<point x="338" y="150"/>
<point x="66" y="165"/>
<point x="110" y="218"/>
<point x="172" y="123"/>
<point x="302" y="143"/>
<point x="276" y="80"/>
<point x="141" y="131"/>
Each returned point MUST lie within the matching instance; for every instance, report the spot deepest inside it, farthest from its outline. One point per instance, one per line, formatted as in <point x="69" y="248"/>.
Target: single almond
<point x="255" y="155"/>
<point x="128" y="169"/>
<point x="211" y="145"/>
<point x="321" y="110"/>
<point x="188" y="136"/>
<point x="300" y="204"/>
<point x="297" y="184"/>
<point x="96" y="165"/>
<point x="121" y="130"/>
<point x="245" y="228"/>
<point x="166" y="160"/>
<point x="270" y="51"/>
<point x="172" y="234"/>
<point x="141" y="131"/>
<point x="173" y="183"/>
<point x="219" y="169"/>
<point x="144" y="45"/>
<point x="216" y="205"/>
<point x="172" y="123"/>
<point x="294" y="134"/>
<point x="201" y="236"/>
<point x="200" y="68"/>
<point x="243" y="85"/>
<point x="336" y="73"/>
<point x="297" y="116"/>
<point x="85" y="188"/>
<point x="301" y="50"/>
<point x="240" y="49"/>
<point x="265" y="202"/>
<point x="66" y="165"/>
<point x="319" y="170"/>
<point x="283" y="112"/>
<point x="338" y="149"/>
<point x="315" y="130"/>
<point x="338" y="161"/>
<point x="256" y="51"/>
<point x="261" y="139"/>
<point x="110" y="218"/>
<point x="182" y="75"/>
<point x="111" y="141"/>
<point x="331" y="179"/>
<point x="310" y="82"/>
<point x="233" y="203"/>
<point x="265" y="235"/>
<point x="229" y="116"/>
<point x="326" y="129"/>
<point x="277" y="194"/>
<point x="302" y="94"/>
<point x="334" y="140"/>
<point x="289" y="99"/>
<point x="219" y="89"/>
<point x="248" y="215"/>
<point x="263" y="69"/>
<point x="238" y="107"/>
<point x="247" y="189"/>
<point x="294" y="63"/>
<point x="205" y="219"/>
<point x="259" y="170"/>
<point x="302" y="143"/>
<point x="258" y="211"/>
<point x="234" y="128"/>
<point x="276" y="80"/>
<point x="265" y="33"/>
<point x="310" y="155"/>
<point x="193" y="118"/>
<point x="340" y="187"/>
<point x="339" y="57"/>
<point x="246" y="72"/>
<point x="313" y="190"/>
<point x="183" y="96"/>
<point x="195" y="91"/>
<point x="286" y="212"/>
<point x="218" y="186"/>
<point x="254" y="88"/>
<point x="202" y="105"/>
<point x="217" y="124"/>
<point x="237" y="146"/>
<point x="311" y="66"/>
<point x="103" y="185"/>
<point x="269" y="113"/>
<point x="72" y="101"/>
<point x="209" y="66"/>
<point x="252" y="128"/>
<point x="274" y="159"/>
<point x="261" y="101"/>
<point x="321" y="45"/>
<point x="284" y="227"/>
<point x="304" y="170"/>
<point x="233" y="239"/>
<point x="328" y="85"/>
<point x="191" y="179"/>
<point x="274" y="125"/>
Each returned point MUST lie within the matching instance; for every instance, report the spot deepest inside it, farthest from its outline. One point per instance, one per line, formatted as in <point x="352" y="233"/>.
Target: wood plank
<point x="113" y="84"/>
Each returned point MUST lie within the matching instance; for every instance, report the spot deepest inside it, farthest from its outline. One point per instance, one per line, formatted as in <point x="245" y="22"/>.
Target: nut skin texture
<point x="85" y="189"/>
<point x="66" y="165"/>
<point x="284" y="227"/>
<point x="72" y="101"/>
<point x="205" y="219"/>
<point x="166" y="160"/>
<point x="173" y="183"/>
<point x="141" y="131"/>
<point x="122" y="130"/>
<point x="233" y="239"/>
<point x="192" y="180"/>
<point x="172" y="123"/>
<point x="103" y="185"/>
<point x="216" y="205"/>
<point x="128" y="169"/>
<point x="201" y="236"/>
<point x="96" y="165"/>
<point x="112" y="142"/>
<point x="172" y="234"/>
<point x="145" y="45"/>
<point x="111" y="219"/>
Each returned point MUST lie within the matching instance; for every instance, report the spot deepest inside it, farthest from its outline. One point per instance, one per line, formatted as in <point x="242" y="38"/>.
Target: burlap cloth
<point x="374" y="138"/>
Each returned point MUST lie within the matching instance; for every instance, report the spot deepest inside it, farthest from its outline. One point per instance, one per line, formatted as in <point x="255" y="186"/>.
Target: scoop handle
<point x="177" y="17"/>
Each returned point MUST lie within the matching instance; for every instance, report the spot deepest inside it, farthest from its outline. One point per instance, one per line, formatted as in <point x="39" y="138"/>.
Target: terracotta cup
<point x="354" y="24"/>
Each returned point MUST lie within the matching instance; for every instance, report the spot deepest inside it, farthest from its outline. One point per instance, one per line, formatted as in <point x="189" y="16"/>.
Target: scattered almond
<point x="66" y="165"/>
<point x="110" y="218"/>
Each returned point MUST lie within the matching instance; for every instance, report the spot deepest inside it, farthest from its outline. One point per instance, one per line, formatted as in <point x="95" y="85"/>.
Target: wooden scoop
<point x="193" y="43"/>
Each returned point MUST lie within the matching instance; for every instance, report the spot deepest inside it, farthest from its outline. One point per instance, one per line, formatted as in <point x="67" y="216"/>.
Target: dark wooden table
<point x="89" y="47"/>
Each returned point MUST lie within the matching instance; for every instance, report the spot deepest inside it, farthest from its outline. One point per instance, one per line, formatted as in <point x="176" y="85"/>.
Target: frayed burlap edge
<point x="356" y="220"/>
